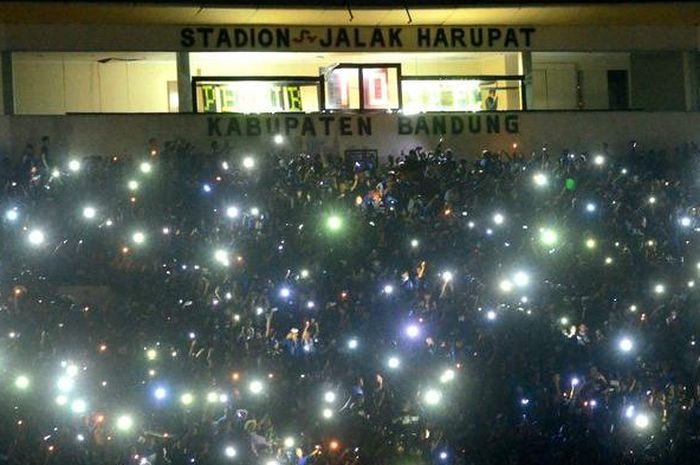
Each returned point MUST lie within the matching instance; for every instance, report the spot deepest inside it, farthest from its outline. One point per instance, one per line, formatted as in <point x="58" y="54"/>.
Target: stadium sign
<point x="357" y="38"/>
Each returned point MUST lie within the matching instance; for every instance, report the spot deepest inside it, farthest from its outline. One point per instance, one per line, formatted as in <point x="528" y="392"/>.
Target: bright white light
<point x="36" y="237"/>
<point x="540" y="179"/>
<point x="652" y="200"/>
<point x="447" y="376"/>
<point x="505" y="285"/>
<point x="232" y="212"/>
<point x="548" y="236"/>
<point x="590" y="243"/>
<point x="256" y="387"/>
<point x="642" y="421"/>
<point x="206" y="188"/>
<point x="89" y="213"/>
<point x="78" y="406"/>
<point x="22" y="382"/>
<point x="225" y="165"/>
<point x="575" y="381"/>
<point x="498" y="218"/>
<point x="521" y="279"/>
<point x="590" y="207"/>
<point x="221" y="256"/>
<point x="61" y="400"/>
<point x="685" y="221"/>
<point x="138" y="237"/>
<point x="659" y="289"/>
<point x="145" y="167"/>
<point x="285" y="292"/>
<point x="329" y="397"/>
<point x="72" y="370"/>
<point x="160" y="393"/>
<point x="223" y="398"/>
<point x="279" y="139"/>
<point x="491" y="315"/>
<point x="133" y="185"/>
<point x="393" y="362"/>
<point x="629" y="411"/>
<point x="65" y="384"/>
<point x="388" y="289"/>
<point x="74" y="165"/>
<point x="255" y="211"/>
<point x="447" y="276"/>
<point x="12" y="214"/>
<point x="124" y="422"/>
<point x="289" y="442"/>
<point x="230" y="452"/>
<point x="352" y="344"/>
<point x="304" y="273"/>
<point x="626" y="344"/>
<point x="414" y="243"/>
<point x="327" y="413"/>
<point x="412" y="330"/>
<point x="79" y="438"/>
<point x="564" y="321"/>
<point x="212" y="397"/>
<point x="599" y="160"/>
<point x="187" y="398"/>
<point x="443" y="455"/>
<point x="432" y="397"/>
<point x="248" y="163"/>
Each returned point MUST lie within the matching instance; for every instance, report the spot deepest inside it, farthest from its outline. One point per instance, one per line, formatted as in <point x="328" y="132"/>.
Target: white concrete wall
<point x="59" y="85"/>
<point x="82" y="135"/>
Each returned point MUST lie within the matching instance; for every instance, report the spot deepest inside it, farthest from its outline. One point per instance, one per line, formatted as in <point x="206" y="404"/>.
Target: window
<point x="362" y="87"/>
<point x="479" y="93"/>
<point x="256" y="95"/>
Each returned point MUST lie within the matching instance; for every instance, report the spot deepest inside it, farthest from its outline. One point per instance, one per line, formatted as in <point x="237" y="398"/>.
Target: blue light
<point x="206" y="188"/>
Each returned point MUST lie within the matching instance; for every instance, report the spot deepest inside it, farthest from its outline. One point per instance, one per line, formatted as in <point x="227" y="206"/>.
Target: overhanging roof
<point x="496" y="13"/>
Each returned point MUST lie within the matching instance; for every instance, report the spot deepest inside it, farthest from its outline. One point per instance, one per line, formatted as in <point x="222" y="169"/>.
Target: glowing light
<point x="72" y="370"/>
<point x="540" y="179"/>
<point x="599" y="160"/>
<point x="564" y="321"/>
<point x="334" y="223"/>
<point x="626" y="344"/>
<point x="447" y="276"/>
<point x="186" y="399"/>
<point x="221" y="256"/>
<point x="505" y="285"/>
<point x="443" y="455"/>
<point x="289" y="442"/>
<point x="232" y="212"/>
<point x="659" y="289"/>
<point x="685" y="221"/>
<point x="80" y="438"/>
<point x="329" y="397"/>
<point x="590" y="207"/>
<point x="608" y="260"/>
<point x="145" y="167"/>
<point x="575" y="381"/>
<point x="414" y="243"/>
<point x="206" y="188"/>
<point x="498" y="219"/>
<point x="642" y="421"/>
<point x="447" y="376"/>
<point x="352" y="344"/>
<point x="285" y="292"/>
<point x="12" y="214"/>
<point x="412" y="331"/>
<point x="629" y="411"/>
<point x="61" y="400"/>
<point x="388" y="289"/>
<point x="22" y="382"/>
<point x="89" y="212"/>
<point x="633" y="308"/>
<point x="255" y="211"/>
<point x="255" y="387"/>
<point x="691" y="283"/>
<point x="151" y="354"/>
<point x="78" y="406"/>
<point x="212" y="397"/>
<point x="278" y="139"/>
<point x="248" y="163"/>
<point x="652" y="200"/>
<point x="133" y="185"/>
<point x="432" y="397"/>
<point x="65" y="384"/>
<point x="590" y="243"/>
<point x="327" y="413"/>
<point x="160" y="393"/>
<point x="548" y="236"/>
<point x="125" y="423"/>
<point x="491" y="315"/>
<point x="36" y="237"/>
<point x="393" y="362"/>
<point x="138" y="237"/>
<point x="521" y="279"/>
<point x="74" y="166"/>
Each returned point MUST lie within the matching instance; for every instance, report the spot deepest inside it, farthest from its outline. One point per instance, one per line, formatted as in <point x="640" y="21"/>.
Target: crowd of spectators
<point x="181" y="307"/>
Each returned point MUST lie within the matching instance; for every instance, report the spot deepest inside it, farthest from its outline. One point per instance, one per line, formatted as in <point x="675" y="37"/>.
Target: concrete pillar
<point x="526" y="61"/>
<point x="184" y="83"/>
<point x="8" y="97"/>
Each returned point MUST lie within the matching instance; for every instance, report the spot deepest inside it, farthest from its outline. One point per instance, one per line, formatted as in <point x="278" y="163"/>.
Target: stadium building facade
<point x="357" y="76"/>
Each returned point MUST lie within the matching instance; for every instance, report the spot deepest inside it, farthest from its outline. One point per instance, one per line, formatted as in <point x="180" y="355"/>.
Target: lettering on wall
<point x="358" y="38"/>
<point x="361" y="126"/>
